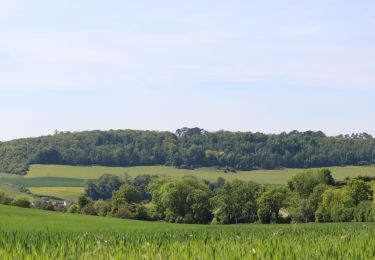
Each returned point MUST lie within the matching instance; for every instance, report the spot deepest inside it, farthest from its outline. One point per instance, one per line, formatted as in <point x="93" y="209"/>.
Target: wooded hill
<point x="188" y="148"/>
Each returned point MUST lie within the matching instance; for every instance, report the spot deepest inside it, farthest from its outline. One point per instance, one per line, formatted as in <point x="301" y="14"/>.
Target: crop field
<point x="67" y="193"/>
<point x="74" y="176"/>
<point x="64" y="188"/>
<point x="276" y="177"/>
<point x="44" y="182"/>
<point x="35" y="234"/>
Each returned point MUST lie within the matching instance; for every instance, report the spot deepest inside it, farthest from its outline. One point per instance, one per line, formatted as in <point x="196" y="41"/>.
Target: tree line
<point x="189" y="148"/>
<point x="311" y="196"/>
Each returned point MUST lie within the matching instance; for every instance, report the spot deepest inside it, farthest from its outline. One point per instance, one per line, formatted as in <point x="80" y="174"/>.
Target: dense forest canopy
<point x="188" y="148"/>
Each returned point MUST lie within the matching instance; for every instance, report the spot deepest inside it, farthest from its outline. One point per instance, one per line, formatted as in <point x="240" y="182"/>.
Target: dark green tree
<point x="124" y="196"/>
<point x="358" y="190"/>
<point x="235" y="202"/>
<point x="270" y="202"/>
<point x="185" y="200"/>
<point x="103" y="187"/>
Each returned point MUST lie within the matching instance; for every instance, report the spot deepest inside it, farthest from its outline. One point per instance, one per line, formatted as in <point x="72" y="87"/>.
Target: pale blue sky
<point x="244" y="65"/>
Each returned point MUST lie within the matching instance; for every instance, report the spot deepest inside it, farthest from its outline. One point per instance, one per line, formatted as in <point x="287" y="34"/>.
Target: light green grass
<point x="14" y="191"/>
<point x="20" y="219"/>
<point x="67" y="193"/>
<point x="276" y="177"/>
<point x="37" y="234"/>
<point x="9" y="175"/>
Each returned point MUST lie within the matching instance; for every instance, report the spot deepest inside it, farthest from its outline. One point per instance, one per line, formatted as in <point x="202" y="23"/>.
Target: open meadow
<point x="14" y="190"/>
<point x="36" y="234"/>
<point x="274" y="177"/>
<point x="66" y="193"/>
<point x="66" y="182"/>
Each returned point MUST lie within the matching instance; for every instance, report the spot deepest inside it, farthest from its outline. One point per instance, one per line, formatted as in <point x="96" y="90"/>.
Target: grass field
<point x="64" y="188"/>
<point x="276" y="177"/>
<point x="36" y="234"/>
<point x="14" y="190"/>
<point x="9" y="175"/>
<point x="66" y="193"/>
<point x="44" y="182"/>
<point x="58" y="176"/>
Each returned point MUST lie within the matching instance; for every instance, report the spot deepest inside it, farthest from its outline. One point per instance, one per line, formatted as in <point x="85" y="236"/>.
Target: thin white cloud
<point x="149" y="59"/>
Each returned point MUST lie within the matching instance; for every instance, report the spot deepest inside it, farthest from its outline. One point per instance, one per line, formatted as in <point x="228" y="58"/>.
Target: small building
<point x="67" y="203"/>
<point x="45" y="198"/>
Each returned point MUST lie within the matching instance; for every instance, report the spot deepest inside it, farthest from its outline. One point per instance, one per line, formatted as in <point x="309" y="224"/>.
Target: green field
<point x="66" y="193"/>
<point x="276" y="177"/>
<point x="44" y="182"/>
<point x="74" y="176"/>
<point x="36" y="234"/>
<point x="14" y="190"/>
<point x="9" y="175"/>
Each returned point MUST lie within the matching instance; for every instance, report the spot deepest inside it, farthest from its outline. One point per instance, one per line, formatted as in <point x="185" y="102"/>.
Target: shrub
<point x="270" y="202"/>
<point x="363" y="163"/>
<point x="50" y="207"/>
<point x="73" y="208"/>
<point x="339" y="213"/>
<point x="88" y="209"/>
<point x="333" y="207"/>
<point x="124" y="213"/>
<point x="304" y="183"/>
<point x="102" y="207"/>
<point x="141" y="213"/>
<point x="103" y="187"/>
<point x="301" y="210"/>
<point x="40" y="204"/>
<point x="82" y="201"/>
<point x="363" y="212"/>
<point x="21" y="202"/>
<point x="122" y="198"/>
<point x="357" y="191"/>
<point x="5" y="198"/>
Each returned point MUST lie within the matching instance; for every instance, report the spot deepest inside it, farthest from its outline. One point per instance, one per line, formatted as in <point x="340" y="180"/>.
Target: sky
<point x="240" y="65"/>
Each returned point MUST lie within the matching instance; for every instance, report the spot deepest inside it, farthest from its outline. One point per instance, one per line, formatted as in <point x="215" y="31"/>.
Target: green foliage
<point x="182" y="201"/>
<point x="141" y="183"/>
<point x="327" y="176"/>
<point x="103" y="187"/>
<point x="235" y="202"/>
<point x="270" y="202"/>
<point x="364" y="212"/>
<point x="334" y="207"/>
<point x="88" y="209"/>
<point x="47" y="155"/>
<point x="302" y="209"/>
<point x="189" y="147"/>
<point x="5" y="198"/>
<point x="126" y="195"/>
<point x="141" y="212"/>
<point x="102" y="207"/>
<point x="40" y="204"/>
<point x="358" y="190"/>
<point x="214" y="186"/>
<point x="21" y="201"/>
<point x="124" y="213"/>
<point x="82" y="201"/>
<point x="73" y="208"/>
<point x="305" y="182"/>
